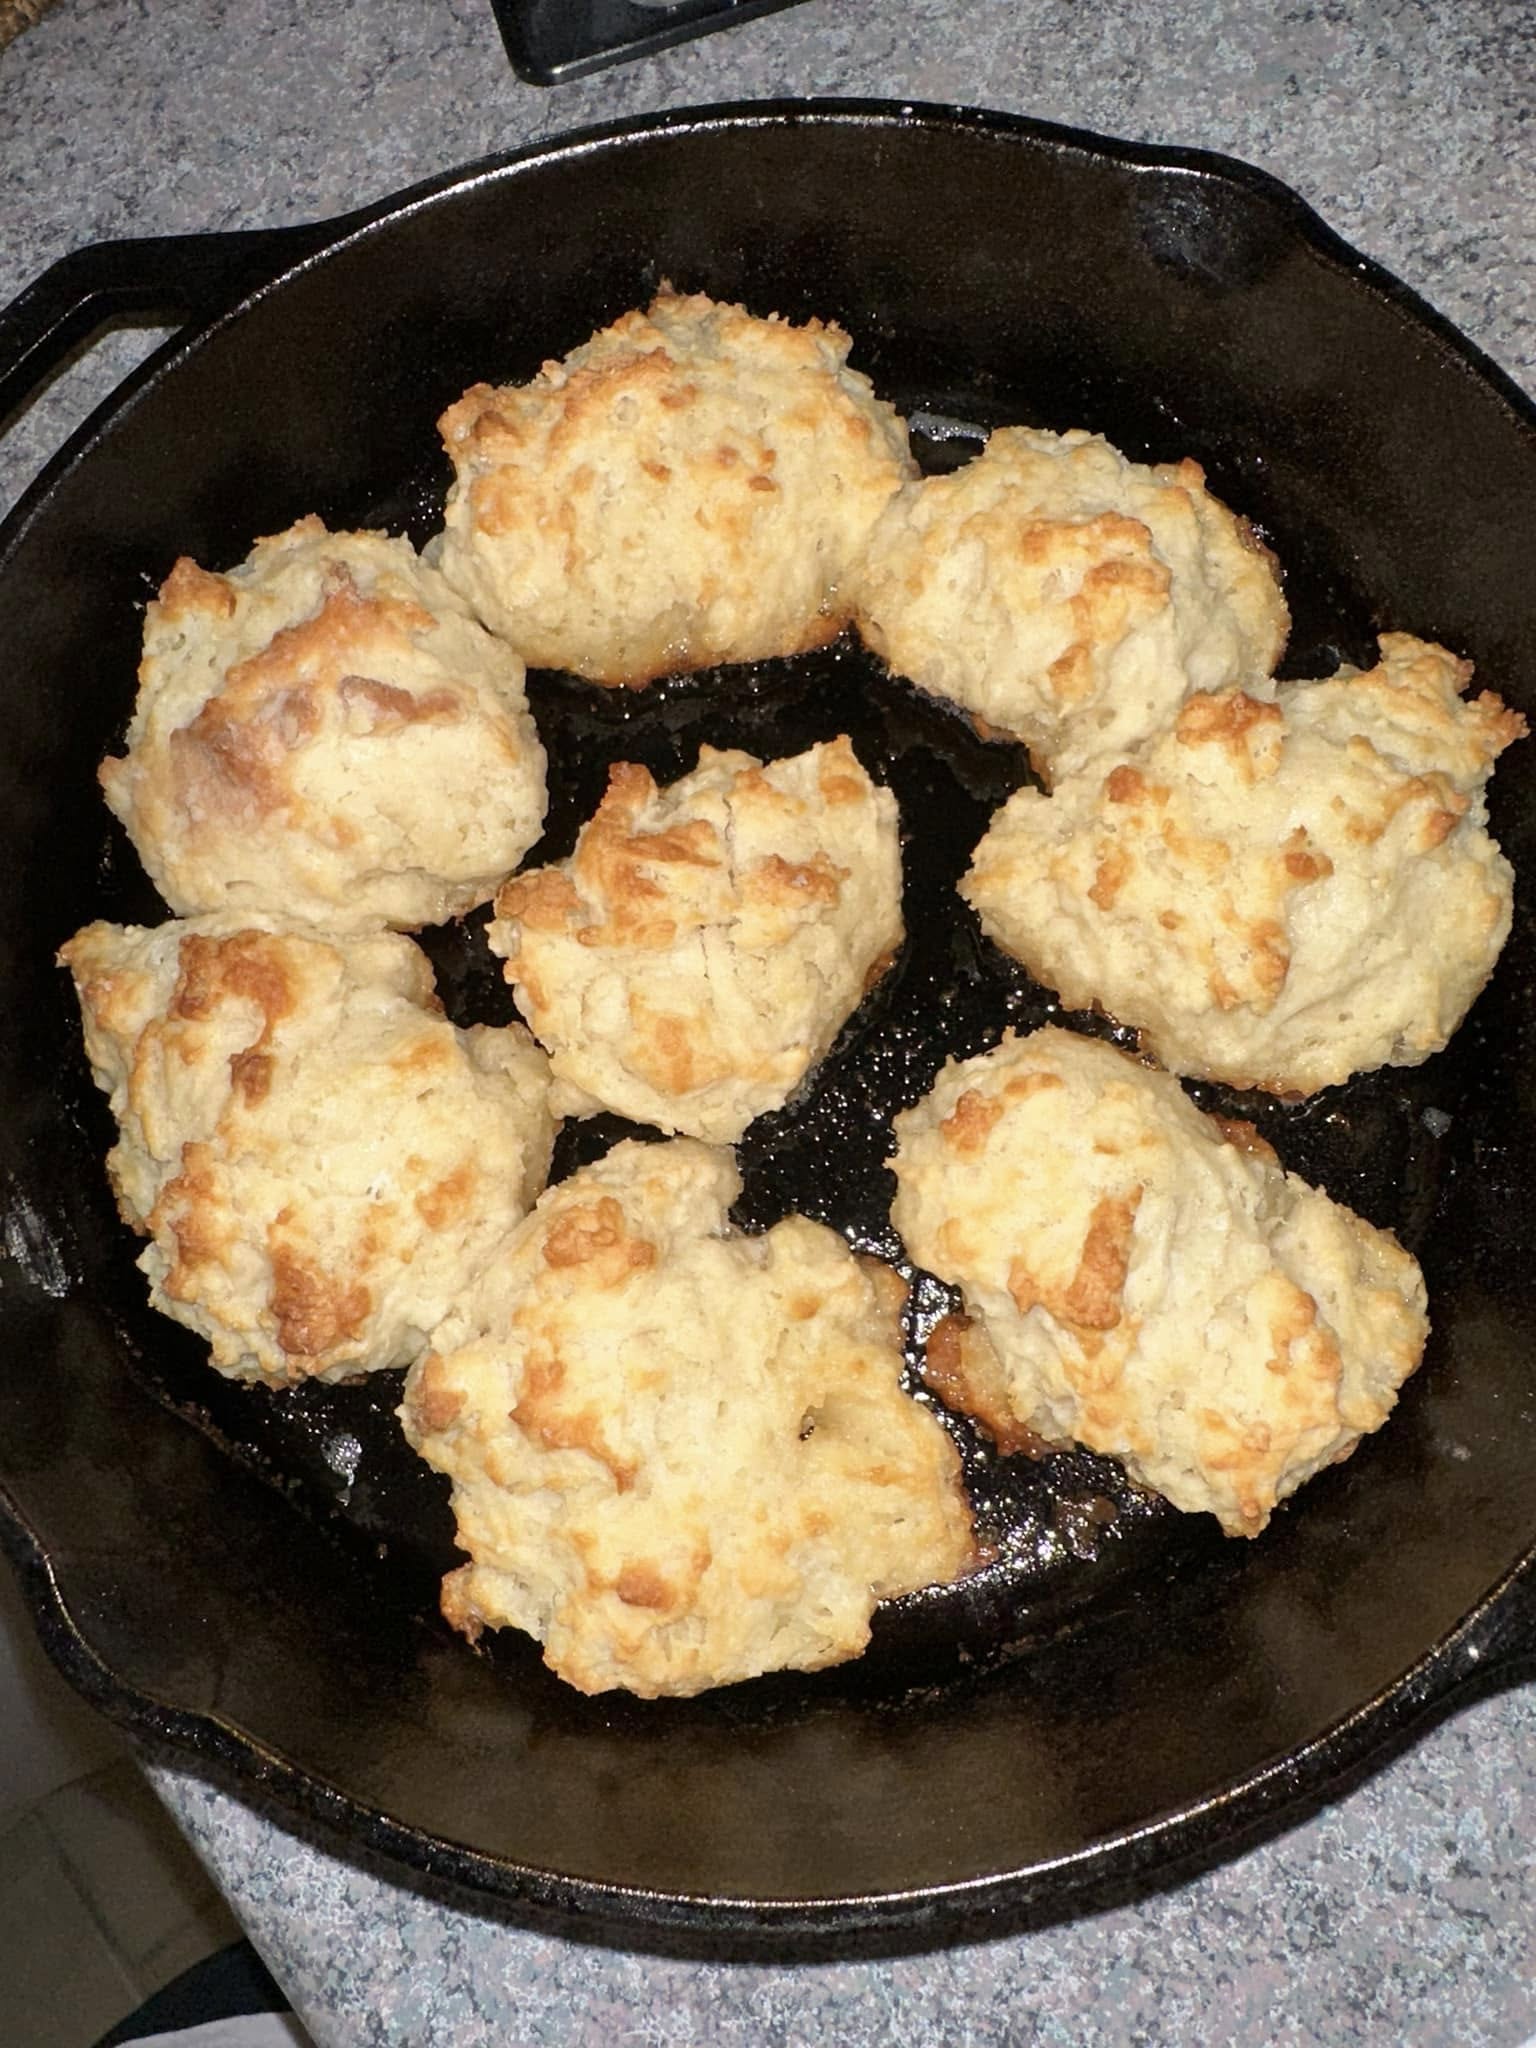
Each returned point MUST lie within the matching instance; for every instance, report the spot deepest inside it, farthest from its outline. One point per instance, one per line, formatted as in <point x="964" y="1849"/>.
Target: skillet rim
<point x="1497" y="1635"/>
<point x="1471" y="1659"/>
<point x="315" y="241"/>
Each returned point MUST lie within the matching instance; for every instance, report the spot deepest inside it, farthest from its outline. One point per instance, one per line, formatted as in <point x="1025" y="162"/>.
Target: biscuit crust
<point x="1067" y="597"/>
<point x="320" y="1160"/>
<point x="699" y="951"/>
<point x="686" y="488"/>
<point x="681" y="1455"/>
<point x="1146" y="1282"/>
<point x="1278" y="891"/>
<point x="326" y="733"/>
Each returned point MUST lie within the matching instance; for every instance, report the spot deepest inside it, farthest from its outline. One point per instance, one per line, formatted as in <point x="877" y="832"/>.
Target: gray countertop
<point x="1402" y="1913"/>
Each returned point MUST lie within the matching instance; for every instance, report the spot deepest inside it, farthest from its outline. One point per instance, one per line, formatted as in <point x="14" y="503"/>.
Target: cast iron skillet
<point x="1123" y="1687"/>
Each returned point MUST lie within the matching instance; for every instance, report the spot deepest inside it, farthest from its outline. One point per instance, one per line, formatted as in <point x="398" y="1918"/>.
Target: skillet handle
<point x="168" y="278"/>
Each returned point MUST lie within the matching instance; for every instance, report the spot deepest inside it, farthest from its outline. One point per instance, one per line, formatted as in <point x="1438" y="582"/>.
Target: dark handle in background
<point x="172" y="278"/>
<point x="550" y="41"/>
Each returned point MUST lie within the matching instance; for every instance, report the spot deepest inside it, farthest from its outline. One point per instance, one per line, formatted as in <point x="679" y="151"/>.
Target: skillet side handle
<point x="169" y="278"/>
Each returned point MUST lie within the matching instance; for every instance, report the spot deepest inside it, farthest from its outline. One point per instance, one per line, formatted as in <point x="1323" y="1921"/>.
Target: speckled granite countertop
<point x="1402" y="1914"/>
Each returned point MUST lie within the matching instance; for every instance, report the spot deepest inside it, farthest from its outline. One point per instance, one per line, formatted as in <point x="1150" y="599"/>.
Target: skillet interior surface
<point x="262" y="1583"/>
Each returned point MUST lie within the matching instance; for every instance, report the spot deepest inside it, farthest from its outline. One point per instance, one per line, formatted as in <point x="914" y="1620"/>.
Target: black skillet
<point x="252" y="1577"/>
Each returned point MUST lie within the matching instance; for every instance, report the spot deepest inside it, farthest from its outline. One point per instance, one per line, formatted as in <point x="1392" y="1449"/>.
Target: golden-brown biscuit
<point x="681" y="1455"/>
<point x="1146" y="1281"/>
<point x="326" y="733"/>
<point x="320" y="1160"/>
<point x="1066" y="596"/>
<point x="1277" y="891"/>
<point x="688" y="487"/>
<point x="699" y="951"/>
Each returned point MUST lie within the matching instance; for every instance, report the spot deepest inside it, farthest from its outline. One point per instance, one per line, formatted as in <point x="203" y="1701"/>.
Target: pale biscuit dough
<point x="326" y="733"/>
<point x="681" y="1455"/>
<point x="1067" y="597"/>
<point x="1278" y="892"/>
<point x="686" y="488"/>
<point x="320" y="1160"/>
<point x="701" y="948"/>
<point x="1147" y="1282"/>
